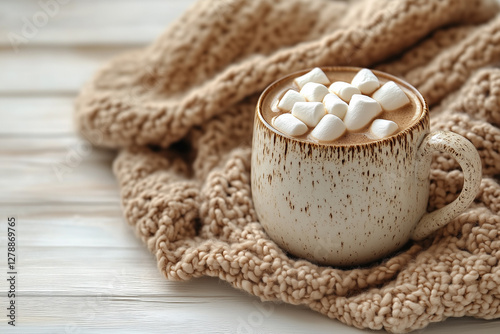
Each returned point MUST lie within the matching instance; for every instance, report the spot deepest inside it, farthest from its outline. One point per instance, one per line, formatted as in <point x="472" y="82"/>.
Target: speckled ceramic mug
<point x="351" y="204"/>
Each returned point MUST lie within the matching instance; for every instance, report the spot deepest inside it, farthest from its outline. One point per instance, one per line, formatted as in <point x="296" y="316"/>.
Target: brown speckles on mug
<point x="355" y="208"/>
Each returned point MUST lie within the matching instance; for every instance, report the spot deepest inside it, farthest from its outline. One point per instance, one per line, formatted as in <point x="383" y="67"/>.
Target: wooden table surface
<point x="80" y="269"/>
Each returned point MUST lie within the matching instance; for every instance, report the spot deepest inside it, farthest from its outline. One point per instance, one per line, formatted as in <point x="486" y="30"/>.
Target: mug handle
<point x="468" y="158"/>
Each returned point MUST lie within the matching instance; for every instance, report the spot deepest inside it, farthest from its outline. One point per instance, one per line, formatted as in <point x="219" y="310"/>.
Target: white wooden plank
<point x="48" y="148"/>
<point x="46" y="70"/>
<point x="55" y="170"/>
<point x="71" y="225"/>
<point x="36" y="116"/>
<point x="90" y="22"/>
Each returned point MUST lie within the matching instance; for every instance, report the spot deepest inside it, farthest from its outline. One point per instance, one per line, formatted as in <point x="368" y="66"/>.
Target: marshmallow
<point x="290" y="125"/>
<point x="315" y="75"/>
<point x="329" y="128"/>
<point x="382" y="128"/>
<point x="390" y="96"/>
<point x="314" y="92"/>
<point x="360" y="112"/>
<point x="365" y="81"/>
<point x="335" y="106"/>
<point x="309" y="112"/>
<point x="288" y="100"/>
<point x="344" y="90"/>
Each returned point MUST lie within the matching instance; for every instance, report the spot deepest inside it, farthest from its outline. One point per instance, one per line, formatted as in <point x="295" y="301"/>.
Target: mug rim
<point x="422" y="121"/>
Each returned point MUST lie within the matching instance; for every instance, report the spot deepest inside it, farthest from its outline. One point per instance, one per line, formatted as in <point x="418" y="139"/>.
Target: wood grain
<point x="44" y="70"/>
<point x="92" y="22"/>
<point x="36" y="116"/>
<point x="81" y="269"/>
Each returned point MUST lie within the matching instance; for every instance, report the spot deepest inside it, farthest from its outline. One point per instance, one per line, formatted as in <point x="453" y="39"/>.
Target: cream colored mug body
<point x="347" y="205"/>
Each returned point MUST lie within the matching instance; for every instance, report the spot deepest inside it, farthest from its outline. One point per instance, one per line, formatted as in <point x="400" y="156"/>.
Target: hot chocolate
<point x="370" y="92"/>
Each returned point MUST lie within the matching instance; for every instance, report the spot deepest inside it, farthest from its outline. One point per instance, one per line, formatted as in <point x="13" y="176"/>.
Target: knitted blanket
<point x="181" y="111"/>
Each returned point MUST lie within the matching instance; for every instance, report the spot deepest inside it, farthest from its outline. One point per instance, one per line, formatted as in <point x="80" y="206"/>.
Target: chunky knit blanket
<point x="181" y="111"/>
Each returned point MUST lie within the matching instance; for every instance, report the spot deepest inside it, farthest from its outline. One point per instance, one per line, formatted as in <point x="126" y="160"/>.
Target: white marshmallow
<point x="309" y="112"/>
<point x="290" y="125"/>
<point x="362" y="109"/>
<point x="314" y="92"/>
<point x="315" y="75"/>
<point x="335" y="106"/>
<point x="390" y="96"/>
<point x="382" y="128"/>
<point x="365" y="81"/>
<point x="344" y="90"/>
<point x="288" y="100"/>
<point x="329" y="128"/>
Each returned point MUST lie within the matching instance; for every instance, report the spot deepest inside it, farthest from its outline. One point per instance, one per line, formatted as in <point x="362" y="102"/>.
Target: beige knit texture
<point x="181" y="113"/>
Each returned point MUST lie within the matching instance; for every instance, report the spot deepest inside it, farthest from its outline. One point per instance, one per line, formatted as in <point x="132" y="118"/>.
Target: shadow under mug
<point x="348" y="205"/>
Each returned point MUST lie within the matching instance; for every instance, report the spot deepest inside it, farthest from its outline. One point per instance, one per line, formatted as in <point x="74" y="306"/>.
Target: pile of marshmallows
<point x="343" y="106"/>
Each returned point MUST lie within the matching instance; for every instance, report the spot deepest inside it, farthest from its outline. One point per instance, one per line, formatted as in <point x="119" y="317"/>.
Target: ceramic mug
<point x="351" y="204"/>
